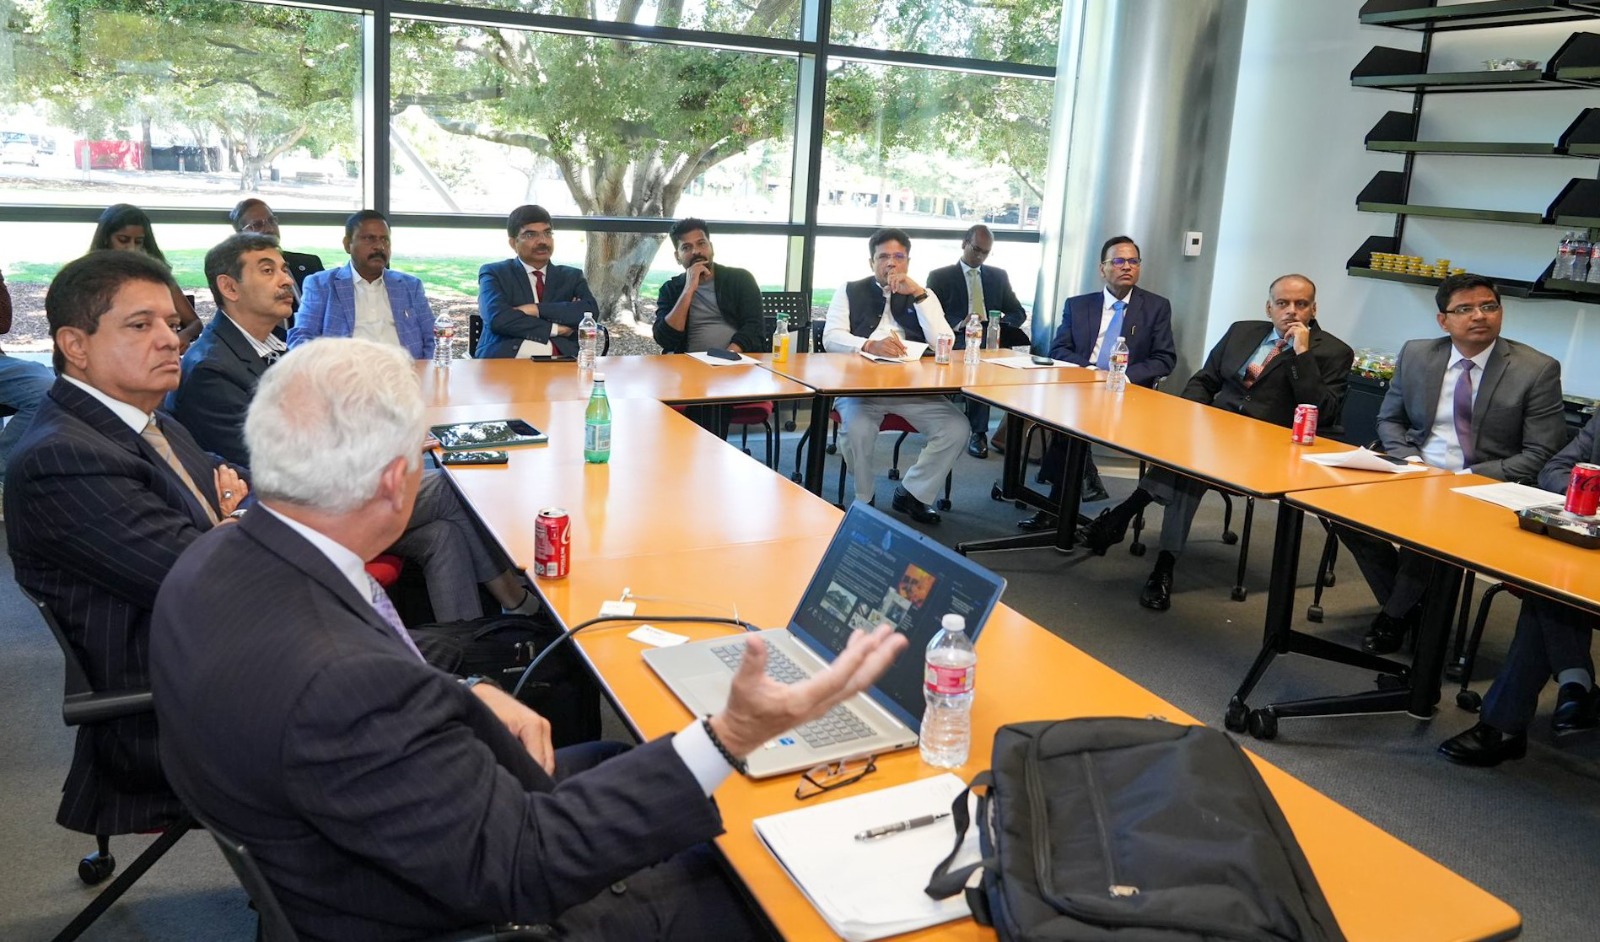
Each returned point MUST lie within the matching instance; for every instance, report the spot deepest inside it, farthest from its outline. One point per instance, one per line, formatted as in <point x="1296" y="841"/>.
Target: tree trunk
<point x="615" y="264"/>
<point x="146" y="147"/>
<point x="250" y="178"/>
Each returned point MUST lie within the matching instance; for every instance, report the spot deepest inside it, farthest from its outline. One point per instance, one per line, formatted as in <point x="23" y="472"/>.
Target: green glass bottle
<point x="597" y="424"/>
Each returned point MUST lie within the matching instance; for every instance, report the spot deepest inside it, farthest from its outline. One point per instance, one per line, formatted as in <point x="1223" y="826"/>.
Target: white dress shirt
<point x="1442" y="448"/>
<point x="837" y="338"/>
<point x="264" y="348"/>
<point x="533" y="348"/>
<point x="374" y="316"/>
<point x="1106" y="313"/>
<point x="136" y="418"/>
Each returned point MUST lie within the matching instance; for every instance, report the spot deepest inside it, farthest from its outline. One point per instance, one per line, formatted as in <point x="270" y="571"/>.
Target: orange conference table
<point x="850" y="374"/>
<point x="679" y="380"/>
<point x="1240" y="454"/>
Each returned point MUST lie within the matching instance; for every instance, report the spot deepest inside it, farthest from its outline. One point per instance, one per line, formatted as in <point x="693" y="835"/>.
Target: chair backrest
<point x="275" y="925"/>
<point x="80" y="702"/>
<point x="793" y="305"/>
<point x="474" y="331"/>
<point x="605" y="339"/>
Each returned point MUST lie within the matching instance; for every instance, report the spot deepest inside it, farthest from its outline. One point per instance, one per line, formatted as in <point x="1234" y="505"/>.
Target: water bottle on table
<point x="588" y="334"/>
<point x="991" y="333"/>
<point x="1117" y="379"/>
<point x="444" y="343"/>
<point x="974" y="340"/>
<point x="597" y="424"/>
<point x="947" y="684"/>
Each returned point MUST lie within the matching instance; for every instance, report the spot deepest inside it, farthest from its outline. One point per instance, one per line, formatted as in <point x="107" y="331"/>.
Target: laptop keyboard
<point x="838" y="725"/>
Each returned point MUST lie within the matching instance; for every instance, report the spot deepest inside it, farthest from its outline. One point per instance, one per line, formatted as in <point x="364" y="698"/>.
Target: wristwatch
<point x="920" y="298"/>
<point x="476" y="679"/>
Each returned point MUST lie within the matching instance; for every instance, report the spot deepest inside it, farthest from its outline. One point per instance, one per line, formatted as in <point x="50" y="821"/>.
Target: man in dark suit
<point x="366" y="298"/>
<point x="1262" y="369"/>
<point x="971" y="287"/>
<point x="1090" y="326"/>
<point x="253" y="215"/>
<point x="1468" y="400"/>
<point x="382" y="798"/>
<point x="871" y="315"/>
<point x="529" y="306"/>
<point x="1552" y="640"/>
<point x="709" y="306"/>
<point x="104" y="493"/>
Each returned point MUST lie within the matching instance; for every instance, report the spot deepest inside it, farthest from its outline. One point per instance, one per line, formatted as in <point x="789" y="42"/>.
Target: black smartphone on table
<point x="476" y="457"/>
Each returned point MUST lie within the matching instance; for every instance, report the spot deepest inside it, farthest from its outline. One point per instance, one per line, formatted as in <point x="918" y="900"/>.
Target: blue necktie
<point x="1112" y="333"/>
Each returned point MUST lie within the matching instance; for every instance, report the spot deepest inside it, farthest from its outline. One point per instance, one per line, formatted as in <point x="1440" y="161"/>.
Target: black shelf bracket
<point x="1393" y="126"/>
<point x="1582" y="137"/>
<point x="1578" y="205"/>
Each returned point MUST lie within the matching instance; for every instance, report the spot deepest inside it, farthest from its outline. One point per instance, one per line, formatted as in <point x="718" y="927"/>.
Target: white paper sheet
<point x="718" y="361"/>
<point x="1512" y="496"/>
<point x="1363" y="460"/>
<point x="914" y="350"/>
<point x="1026" y="363"/>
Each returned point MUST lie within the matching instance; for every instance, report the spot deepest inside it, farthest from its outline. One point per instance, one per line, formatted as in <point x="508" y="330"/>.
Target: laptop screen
<point x="879" y="570"/>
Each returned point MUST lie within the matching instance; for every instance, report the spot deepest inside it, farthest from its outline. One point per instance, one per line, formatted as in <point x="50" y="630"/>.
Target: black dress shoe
<point x="1387" y="634"/>
<point x="1093" y="494"/>
<point x="913" y="508"/>
<point x="978" y="445"/>
<point x="1104" y="531"/>
<point x="1157" y="592"/>
<point x="1484" y="746"/>
<point x="1577" y="708"/>
<point x="1039" y="522"/>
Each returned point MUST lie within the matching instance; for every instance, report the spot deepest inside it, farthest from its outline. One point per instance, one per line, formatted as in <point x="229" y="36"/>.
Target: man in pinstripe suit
<point x="382" y="798"/>
<point x="96" y="514"/>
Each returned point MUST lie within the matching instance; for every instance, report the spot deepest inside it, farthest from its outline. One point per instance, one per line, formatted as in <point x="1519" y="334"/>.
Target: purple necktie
<point x="1463" y="410"/>
<point x="385" y="608"/>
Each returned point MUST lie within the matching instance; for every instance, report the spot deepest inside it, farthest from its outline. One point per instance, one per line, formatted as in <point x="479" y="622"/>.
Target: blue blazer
<point x="504" y="285"/>
<point x="1147" y="323"/>
<point x="949" y="285"/>
<point x="328" y="309"/>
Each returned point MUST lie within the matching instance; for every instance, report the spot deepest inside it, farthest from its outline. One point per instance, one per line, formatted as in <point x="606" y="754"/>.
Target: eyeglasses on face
<point x="1487" y="307"/>
<point x="890" y="257"/>
<point x="1123" y="262"/>
<point x="831" y="775"/>
<point x="256" y="225"/>
<point x="528" y="235"/>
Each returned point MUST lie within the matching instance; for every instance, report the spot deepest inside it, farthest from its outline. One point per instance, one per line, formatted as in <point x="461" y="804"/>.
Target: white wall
<point x="1296" y="163"/>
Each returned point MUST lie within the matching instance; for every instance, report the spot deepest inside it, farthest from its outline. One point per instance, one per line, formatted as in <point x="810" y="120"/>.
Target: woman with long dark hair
<point x="125" y="227"/>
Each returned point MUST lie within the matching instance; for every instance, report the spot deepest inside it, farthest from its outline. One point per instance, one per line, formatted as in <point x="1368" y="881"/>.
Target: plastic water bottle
<point x="1117" y="380"/>
<point x="1563" y="266"/>
<point x="444" y="344"/>
<point x="947" y="685"/>
<point x="780" y="339"/>
<point x="597" y="424"/>
<point x="1582" y="257"/>
<point x="588" y="334"/>
<point x="991" y="333"/>
<point x="974" y="333"/>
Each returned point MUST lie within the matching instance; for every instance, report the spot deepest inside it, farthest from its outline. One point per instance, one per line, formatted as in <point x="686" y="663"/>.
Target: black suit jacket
<point x="1557" y="472"/>
<point x="220" y="373"/>
<point x="94" y="521"/>
<point x="950" y="286"/>
<point x="504" y="285"/>
<point x="1147" y="323"/>
<point x="381" y="798"/>
<point x="1517" y="421"/>
<point x="739" y="300"/>
<point x="1319" y="377"/>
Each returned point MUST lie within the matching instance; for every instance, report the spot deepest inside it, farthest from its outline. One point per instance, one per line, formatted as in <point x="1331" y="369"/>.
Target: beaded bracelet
<point x="738" y="764"/>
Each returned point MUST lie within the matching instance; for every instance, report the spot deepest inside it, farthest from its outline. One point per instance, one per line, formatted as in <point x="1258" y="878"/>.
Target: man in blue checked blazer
<point x="104" y="493"/>
<point x="366" y="298"/>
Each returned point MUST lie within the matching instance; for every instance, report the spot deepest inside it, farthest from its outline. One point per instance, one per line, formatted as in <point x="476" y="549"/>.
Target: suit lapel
<point x="1092" y="310"/>
<point x="1434" y="364"/>
<point x="1493" y="372"/>
<point x="522" y="282"/>
<point x="1249" y="340"/>
<point x="230" y="336"/>
<point x="292" y="548"/>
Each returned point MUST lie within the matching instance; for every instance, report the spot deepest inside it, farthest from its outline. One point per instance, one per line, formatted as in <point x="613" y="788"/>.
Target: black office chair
<point x="275" y="925"/>
<point x="793" y="305"/>
<point x="82" y="705"/>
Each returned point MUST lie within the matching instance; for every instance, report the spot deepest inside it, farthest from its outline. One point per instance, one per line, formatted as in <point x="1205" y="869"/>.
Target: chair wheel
<point x="1264" y="724"/>
<point x="1136" y="549"/>
<point x="1329" y="581"/>
<point x="1236" y="716"/>
<point x="745" y="450"/>
<point x="797" y="478"/>
<point x="1393" y="681"/>
<point x="1020" y="504"/>
<point x="832" y="449"/>
<point x="96" y="868"/>
<point x="894" y="474"/>
<point x="1239" y="593"/>
<point x="1469" y="700"/>
<point x="1229" y="537"/>
<point x="942" y="504"/>
<point x="788" y="426"/>
<point x="995" y="493"/>
<point x="1314" y="613"/>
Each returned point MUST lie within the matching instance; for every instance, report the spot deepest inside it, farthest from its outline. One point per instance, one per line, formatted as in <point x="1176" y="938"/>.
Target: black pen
<point x="872" y="834"/>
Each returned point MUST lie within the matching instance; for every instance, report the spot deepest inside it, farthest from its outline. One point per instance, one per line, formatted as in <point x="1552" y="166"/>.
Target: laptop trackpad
<point x="707" y="693"/>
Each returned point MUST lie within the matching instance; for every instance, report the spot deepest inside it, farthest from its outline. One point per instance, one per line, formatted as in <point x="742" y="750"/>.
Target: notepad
<point x="872" y="889"/>
<point x="1511" y="496"/>
<point x="740" y="360"/>
<point x="914" y="351"/>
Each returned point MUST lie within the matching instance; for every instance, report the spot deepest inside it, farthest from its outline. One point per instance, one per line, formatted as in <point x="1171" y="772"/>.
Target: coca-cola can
<point x="1583" y="491"/>
<point x="1305" y="424"/>
<point x="552" y="544"/>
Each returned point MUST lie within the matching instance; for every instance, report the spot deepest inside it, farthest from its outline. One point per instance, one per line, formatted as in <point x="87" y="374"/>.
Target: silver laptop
<point x="875" y="570"/>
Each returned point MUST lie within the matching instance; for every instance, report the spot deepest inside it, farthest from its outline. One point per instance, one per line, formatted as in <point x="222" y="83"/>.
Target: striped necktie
<point x="1253" y="371"/>
<point x="158" y="441"/>
<point x="385" y="608"/>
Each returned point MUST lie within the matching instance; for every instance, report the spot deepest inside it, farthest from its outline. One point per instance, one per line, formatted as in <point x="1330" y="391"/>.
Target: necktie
<point x="538" y="287"/>
<point x="1113" y="331"/>
<point x="1463" y="409"/>
<point x="158" y="441"/>
<point x="1253" y="371"/>
<point x="974" y="293"/>
<point x="385" y="608"/>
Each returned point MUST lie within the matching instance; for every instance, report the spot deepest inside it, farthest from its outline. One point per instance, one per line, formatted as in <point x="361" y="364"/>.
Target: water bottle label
<point x="597" y="437"/>
<point x="948" y="681"/>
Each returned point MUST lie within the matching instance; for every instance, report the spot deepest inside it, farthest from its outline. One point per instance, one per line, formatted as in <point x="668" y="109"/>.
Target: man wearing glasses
<point x="1090" y="326"/>
<point x="253" y="215"/>
<point x="529" y="306"/>
<point x="875" y="315"/>
<point x="1470" y="400"/>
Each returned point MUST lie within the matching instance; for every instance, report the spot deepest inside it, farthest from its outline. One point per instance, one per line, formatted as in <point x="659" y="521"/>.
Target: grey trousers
<point x="444" y="540"/>
<point x="1181" y="496"/>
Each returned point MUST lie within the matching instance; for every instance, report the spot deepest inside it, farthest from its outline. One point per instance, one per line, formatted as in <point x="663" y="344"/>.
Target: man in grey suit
<point x="1471" y="400"/>
<point x="382" y="798"/>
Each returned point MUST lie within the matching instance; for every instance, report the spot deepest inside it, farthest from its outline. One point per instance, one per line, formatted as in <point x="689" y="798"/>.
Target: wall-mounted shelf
<point x="1544" y="287"/>
<point x="1385" y="193"/>
<point x="1396" y="133"/>
<point x="1484" y="14"/>
<point x="1575" y="65"/>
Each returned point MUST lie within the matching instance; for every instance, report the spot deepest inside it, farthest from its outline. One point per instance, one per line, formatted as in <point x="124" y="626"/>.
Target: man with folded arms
<point x="865" y="316"/>
<point x="382" y="798"/>
<point x="1261" y="369"/>
<point x="1470" y="400"/>
<point x="531" y="308"/>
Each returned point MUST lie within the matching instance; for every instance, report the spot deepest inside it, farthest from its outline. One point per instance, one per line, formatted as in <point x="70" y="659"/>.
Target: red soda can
<point x="1583" y="491"/>
<point x="1305" y="424"/>
<point x="552" y="544"/>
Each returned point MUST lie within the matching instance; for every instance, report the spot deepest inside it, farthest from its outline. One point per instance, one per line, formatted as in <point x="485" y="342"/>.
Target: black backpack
<point x="500" y="647"/>
<point x="1130" y="830"/>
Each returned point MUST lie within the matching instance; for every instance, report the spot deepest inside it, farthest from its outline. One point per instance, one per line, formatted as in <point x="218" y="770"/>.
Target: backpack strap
<point x="945" y="882"/>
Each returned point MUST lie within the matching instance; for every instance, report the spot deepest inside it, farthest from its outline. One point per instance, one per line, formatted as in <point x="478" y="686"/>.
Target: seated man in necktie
<point x="1261" y="369"/>
<point x="252" y="284"/>
<point x="872" y="315"/>
<point x="366" y="298"/>
<point x="381" y="798"/>
<point x="973" y="287"/>
<point x="104" y="492"/>
<point x="531" y="308"/>
<point x="1470" y="400"/>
